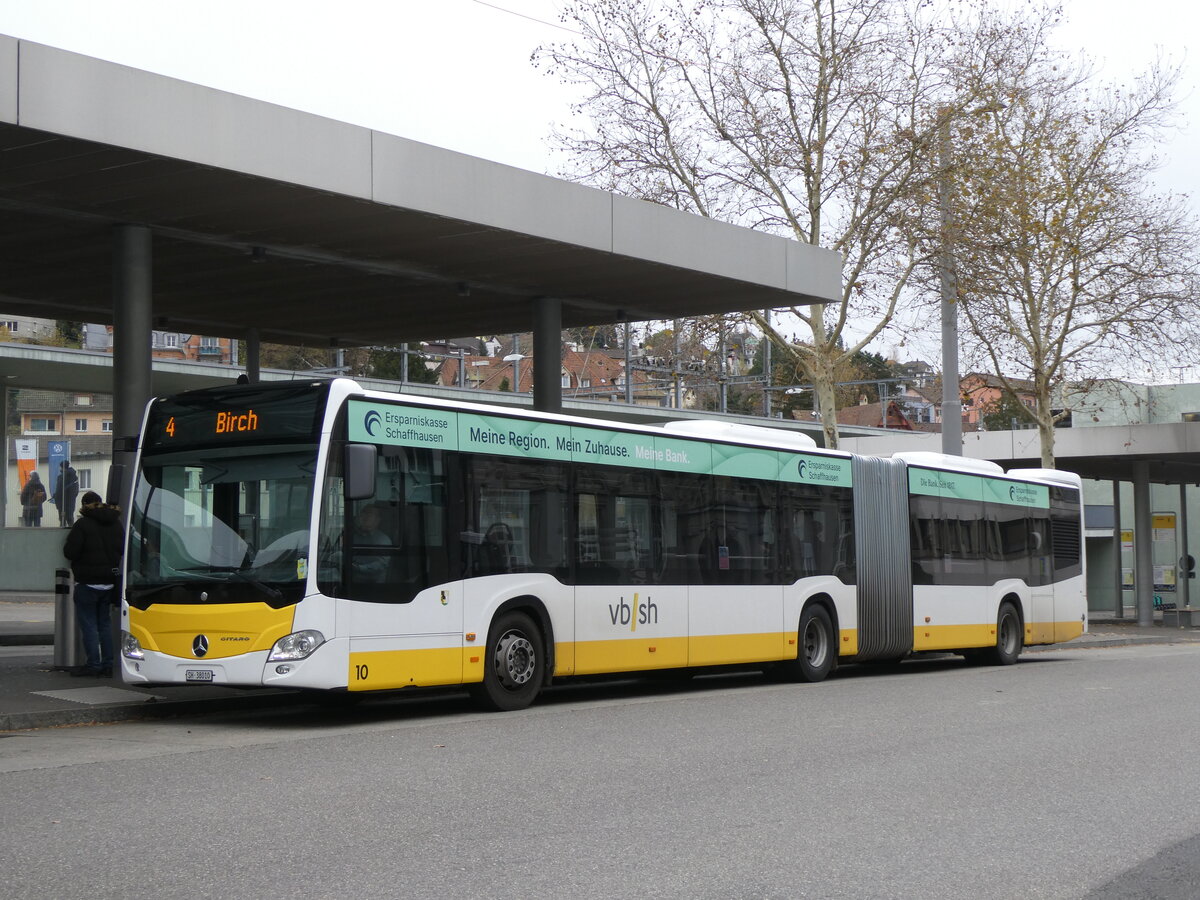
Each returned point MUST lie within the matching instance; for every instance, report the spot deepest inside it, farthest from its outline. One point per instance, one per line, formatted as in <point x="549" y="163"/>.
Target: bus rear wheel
<point x="514" y="666"/>
<point x="1009" y="638"/>
<point x="817" y="652"/>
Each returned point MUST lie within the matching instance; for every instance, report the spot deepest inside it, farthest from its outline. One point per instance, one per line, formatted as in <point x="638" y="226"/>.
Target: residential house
<point x="872" y="415"/>
<point x="169" y="345"/>
<point x="594" y="374"/>
<point x="19" y="327"/>
<point x="979" y="392"/>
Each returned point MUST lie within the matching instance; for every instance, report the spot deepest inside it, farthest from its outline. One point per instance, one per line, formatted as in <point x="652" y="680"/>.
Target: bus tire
<point x="816" y="653"/>
<point x="1009" y="637"/>
<point x="514" y="665"/>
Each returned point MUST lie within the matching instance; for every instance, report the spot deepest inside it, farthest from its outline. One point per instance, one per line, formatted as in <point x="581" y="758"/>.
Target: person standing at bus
<point x="94" y="546"/>
<point x="33" y="495"/>
<point x="66" y="490"/>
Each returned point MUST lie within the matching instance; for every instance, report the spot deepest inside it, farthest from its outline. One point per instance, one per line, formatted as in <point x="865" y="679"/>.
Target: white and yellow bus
<point x="321" y="536"/>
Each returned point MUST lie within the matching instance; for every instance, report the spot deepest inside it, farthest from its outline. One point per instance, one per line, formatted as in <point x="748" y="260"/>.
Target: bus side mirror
<point x="116" y="480"/>
<point x="358" y="463"/>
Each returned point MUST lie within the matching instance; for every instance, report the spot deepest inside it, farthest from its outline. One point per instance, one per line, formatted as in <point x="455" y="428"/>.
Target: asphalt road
<point x="1068" y="775"/>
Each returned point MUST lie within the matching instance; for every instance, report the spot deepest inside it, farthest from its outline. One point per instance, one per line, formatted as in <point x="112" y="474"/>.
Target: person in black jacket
<point x="33" y="495"/>
<point x="66" y="490"/>
<point x="94" y="546"/>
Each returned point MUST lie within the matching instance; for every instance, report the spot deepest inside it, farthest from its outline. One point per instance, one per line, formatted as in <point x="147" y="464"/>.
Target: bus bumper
<point x="325" y="668"/>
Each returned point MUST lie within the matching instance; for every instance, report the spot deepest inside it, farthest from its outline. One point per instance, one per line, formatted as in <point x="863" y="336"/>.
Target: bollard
<point x="68" y="653"/>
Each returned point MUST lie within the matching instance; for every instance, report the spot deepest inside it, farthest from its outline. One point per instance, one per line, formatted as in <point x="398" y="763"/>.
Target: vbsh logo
<point x="641" y="613"/>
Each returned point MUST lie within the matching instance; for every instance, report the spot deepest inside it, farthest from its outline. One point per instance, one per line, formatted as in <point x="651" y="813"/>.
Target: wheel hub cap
<point x="515" y="660"/>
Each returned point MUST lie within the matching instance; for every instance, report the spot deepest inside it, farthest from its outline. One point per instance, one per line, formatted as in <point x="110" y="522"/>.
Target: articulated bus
<point x="320" y="536"/>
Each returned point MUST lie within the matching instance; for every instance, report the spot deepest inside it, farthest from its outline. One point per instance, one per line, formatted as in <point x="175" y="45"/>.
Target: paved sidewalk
<point x="34" y="694"/>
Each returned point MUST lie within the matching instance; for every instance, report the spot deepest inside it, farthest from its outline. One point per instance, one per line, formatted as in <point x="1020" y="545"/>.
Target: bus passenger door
<point x="414" y="643"/>
<point x="735" y="612"/>
<point x="407" y="616"/>
<point x="1039" y="618"/>
<point x="629" y="617"/>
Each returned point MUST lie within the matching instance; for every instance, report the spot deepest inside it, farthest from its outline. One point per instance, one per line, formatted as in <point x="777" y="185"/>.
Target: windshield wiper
<point x="243" y="575"/>
<point x="232" y="573"/>
<point x="141" y="593"/>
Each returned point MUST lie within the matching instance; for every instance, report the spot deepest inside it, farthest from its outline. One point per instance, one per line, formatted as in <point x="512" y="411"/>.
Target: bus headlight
<point x="130" y="648"/>
<point x="298" y="645"/>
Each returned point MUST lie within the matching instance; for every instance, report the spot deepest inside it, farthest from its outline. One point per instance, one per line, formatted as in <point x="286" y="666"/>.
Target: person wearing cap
<point x="94" y="546"/>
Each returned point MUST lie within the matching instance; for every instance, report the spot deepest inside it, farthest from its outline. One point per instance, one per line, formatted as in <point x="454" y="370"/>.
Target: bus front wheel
<point x="514" y="665"/>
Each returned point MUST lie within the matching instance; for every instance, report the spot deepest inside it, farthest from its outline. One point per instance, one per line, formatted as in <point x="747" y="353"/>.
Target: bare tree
<point x="806" y="119"/>
<point x="1069" y="263"/>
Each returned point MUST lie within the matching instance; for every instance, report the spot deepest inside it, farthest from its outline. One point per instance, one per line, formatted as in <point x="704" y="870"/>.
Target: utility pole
<point x="951" y="402"/>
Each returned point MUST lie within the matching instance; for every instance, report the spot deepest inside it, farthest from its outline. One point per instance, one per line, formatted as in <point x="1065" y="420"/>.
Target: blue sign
<point x="58" y="453"/>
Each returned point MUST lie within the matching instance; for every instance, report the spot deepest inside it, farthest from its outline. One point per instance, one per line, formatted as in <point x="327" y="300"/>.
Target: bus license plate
<point x="198" y="675"/>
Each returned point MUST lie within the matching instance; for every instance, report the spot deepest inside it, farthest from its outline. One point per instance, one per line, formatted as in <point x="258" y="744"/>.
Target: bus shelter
<point x="143" y="201"/>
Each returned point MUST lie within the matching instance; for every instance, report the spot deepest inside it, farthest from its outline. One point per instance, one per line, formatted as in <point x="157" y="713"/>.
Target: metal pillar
<point x="132" y="313"/>
<point x="766" y="368"/>
<point x="547" y="347"/>
<point x="1143" y="567"/>
<point x="253" y="356"/>
<point x="676" y="374"/>
<point x="4" y="461"/>
<point x="132" y="323"/>
<point x="1182" y="586"/>
<point x="722" y="373"/>
<point x="1119" y="574"/>
<point x="628" y="366"/>
<point x="951" y="402"/>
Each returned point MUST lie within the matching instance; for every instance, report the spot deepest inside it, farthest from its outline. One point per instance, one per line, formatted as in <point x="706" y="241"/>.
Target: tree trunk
<point x="1046" y="439"/>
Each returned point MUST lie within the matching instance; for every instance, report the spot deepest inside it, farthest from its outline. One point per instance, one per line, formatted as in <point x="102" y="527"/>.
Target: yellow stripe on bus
<point x="731" y="649"/>
<point x="384" y="670"/>
<point x="231" y="629"/>
<point x="388" y="669"/>
<point x="953" y="637"/>
<point x="962" y="637"/>
<point x="630" y="655"/>
<point x="626" y="655"/>
<point x="1068" y="631"/>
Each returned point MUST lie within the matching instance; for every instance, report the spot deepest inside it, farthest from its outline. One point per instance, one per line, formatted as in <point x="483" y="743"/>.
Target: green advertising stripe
<point x="385" y="423"/>
<point x="745" y="462"/>
<point x="809" y="468"/>
<point x="957" y="485"/>
<point x="512" y="437"/>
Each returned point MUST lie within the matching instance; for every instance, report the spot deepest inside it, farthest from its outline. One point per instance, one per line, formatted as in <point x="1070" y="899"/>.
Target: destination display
<point x="239" y="415"/>
<point x="407" y="426"/>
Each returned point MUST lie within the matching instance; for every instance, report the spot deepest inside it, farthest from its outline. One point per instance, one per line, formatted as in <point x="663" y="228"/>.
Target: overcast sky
<point x="457" y="73"/>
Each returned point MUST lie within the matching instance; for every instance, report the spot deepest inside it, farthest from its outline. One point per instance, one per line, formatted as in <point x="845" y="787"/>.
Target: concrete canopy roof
<point x="308" y="229"/>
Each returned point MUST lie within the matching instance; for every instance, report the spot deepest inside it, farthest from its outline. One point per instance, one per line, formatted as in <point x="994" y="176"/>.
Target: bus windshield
<point x="231" y="523"/>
